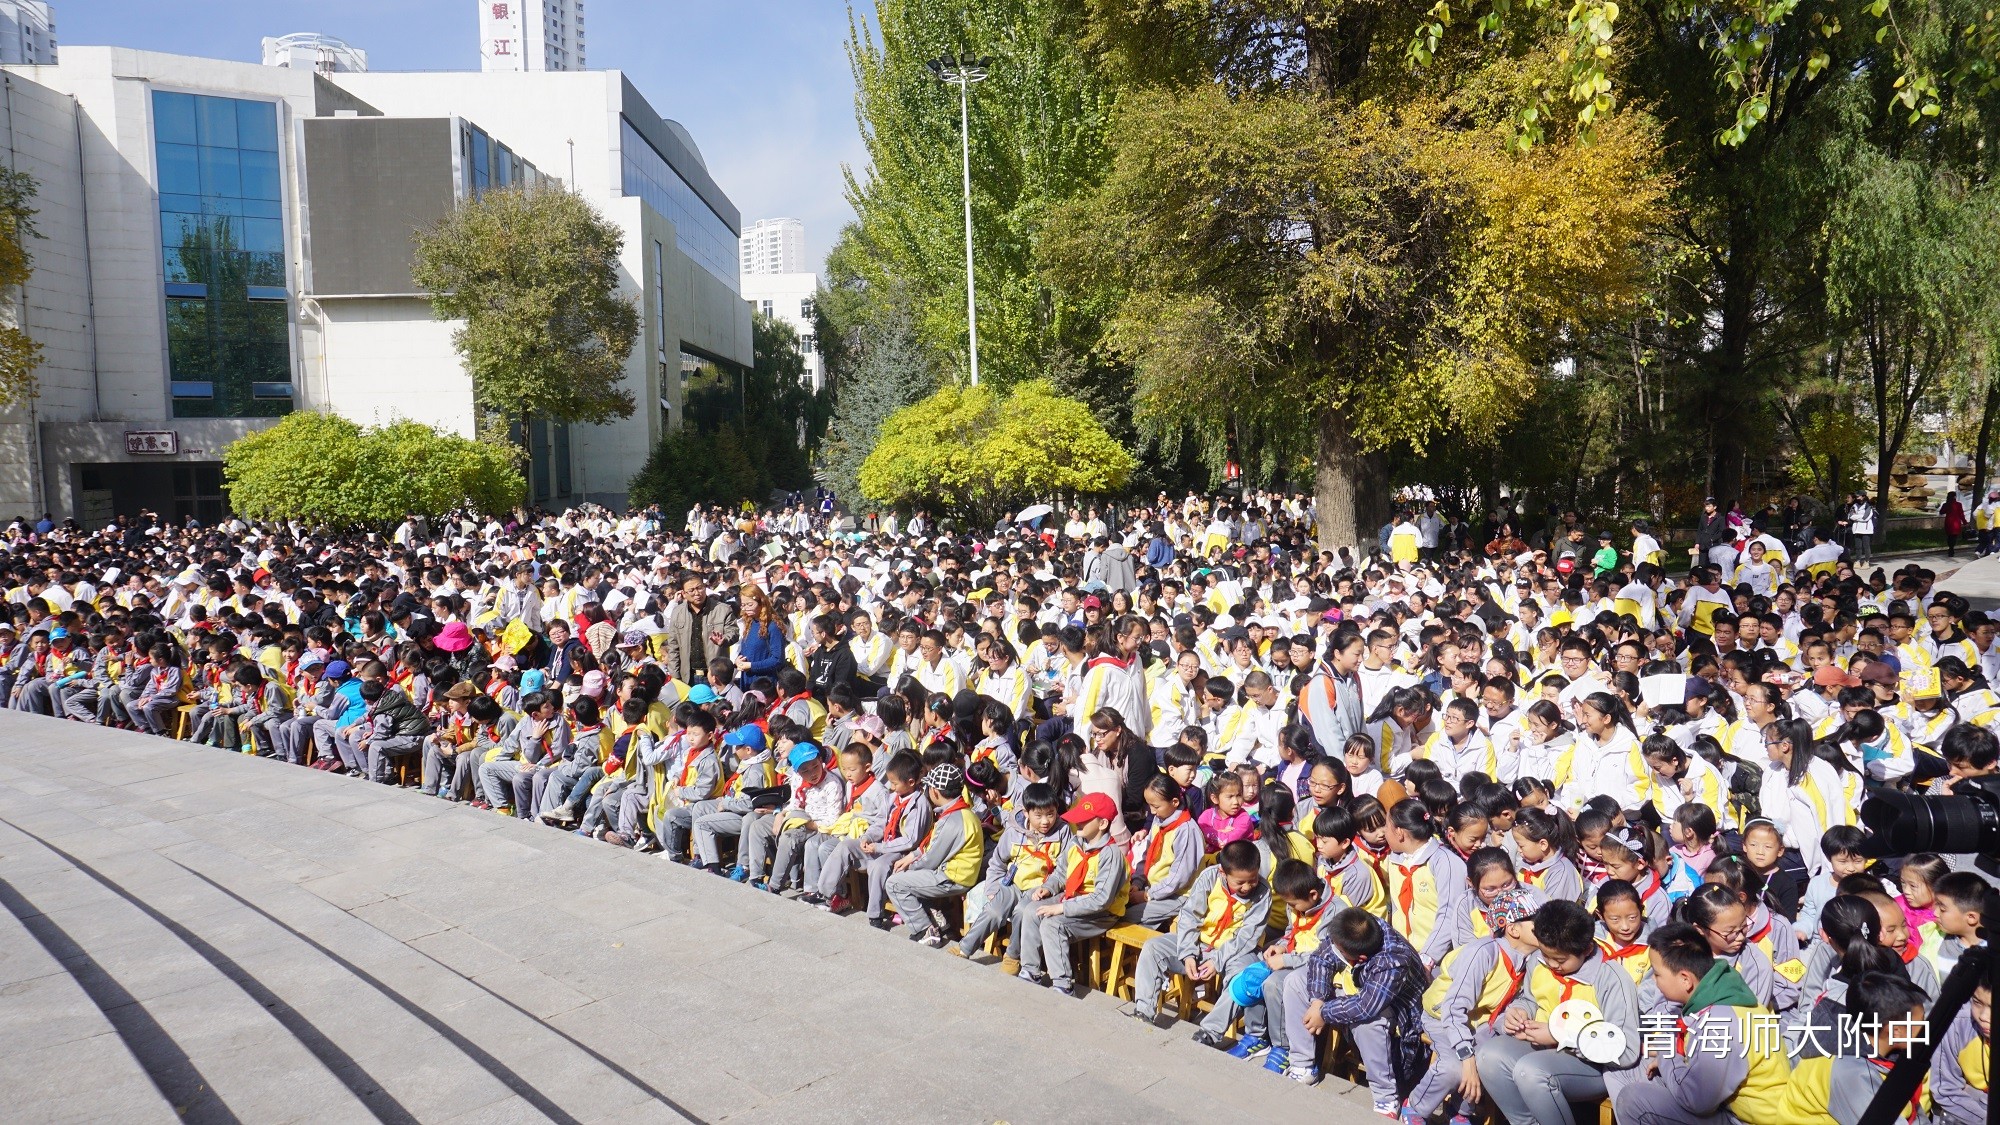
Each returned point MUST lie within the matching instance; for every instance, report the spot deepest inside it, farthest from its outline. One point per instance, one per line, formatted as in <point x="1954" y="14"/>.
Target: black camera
<point x="1967" y="821"/>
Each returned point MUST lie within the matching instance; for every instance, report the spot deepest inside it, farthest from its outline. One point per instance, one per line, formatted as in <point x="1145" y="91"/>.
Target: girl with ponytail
<point x="1428" y="888"/>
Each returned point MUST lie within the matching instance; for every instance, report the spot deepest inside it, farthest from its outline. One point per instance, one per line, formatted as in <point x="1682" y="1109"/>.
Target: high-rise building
<point x="309" y="50"/>
<point x="531" y="35"/>
<point x="774" y="246"/>
<point x="27" y="33"/>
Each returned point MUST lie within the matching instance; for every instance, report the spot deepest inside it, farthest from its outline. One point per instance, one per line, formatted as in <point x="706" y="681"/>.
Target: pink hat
<point x="593" y="684"/>
<point x="454" y="637"/>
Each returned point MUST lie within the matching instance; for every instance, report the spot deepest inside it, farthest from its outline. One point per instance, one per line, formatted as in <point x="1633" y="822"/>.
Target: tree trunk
<point x="1985" y="437"/>
<point x="1349" y="486"/>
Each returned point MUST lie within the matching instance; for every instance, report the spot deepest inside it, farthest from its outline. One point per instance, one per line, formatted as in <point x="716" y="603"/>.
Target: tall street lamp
<point x="965" y="70"/>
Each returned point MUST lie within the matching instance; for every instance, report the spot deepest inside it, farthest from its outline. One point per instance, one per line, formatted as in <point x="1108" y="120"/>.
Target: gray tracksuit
<point x="1163" y="900"/>
<point x="925" y="879"/>
<point x="1045" y="941"/>
<point x="1003" y="896"/>
<point x="1956" y="1100"/>
<point x="1537" y="1084"/>
<point x="827" y="873"/>
<point x="1454" y="1035"/>
<point x="820" y="804"/>
<point x="1692" y="1088"/>
<point x="725" y="815"/>
<point x="1165" y="957"/>
<point x="702" y="776"/>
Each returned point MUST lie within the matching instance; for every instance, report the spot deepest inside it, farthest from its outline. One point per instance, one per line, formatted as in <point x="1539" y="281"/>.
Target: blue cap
<point x="701" y="693"/>
<point x="58" y="633"/>
<point x="337" y="670"/>
<point x="802" y="753"/>
<point x="751" y="736"/>
<point x="533" y="680"/>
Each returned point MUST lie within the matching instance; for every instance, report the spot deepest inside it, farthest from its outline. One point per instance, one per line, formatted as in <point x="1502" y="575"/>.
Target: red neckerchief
<point x="1917" y="1098"/>
<point x="959" y="805"/>
<point x="1373" y="857"/>
<point x="1303" y="922"/>
<point x="1102" y="659"/>
<point x="1633" y="950"/>
<point x="1158" y="840"/>
<point x="854" y="798"/>
<point x="687" y="768"/>
<point x="1073" y="882"/>
<point x="1653" y="887"/>
<point x="1514" y="978"/>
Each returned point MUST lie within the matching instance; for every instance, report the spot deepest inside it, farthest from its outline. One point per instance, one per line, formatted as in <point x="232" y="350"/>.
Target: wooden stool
<point x="1125" y="939"/>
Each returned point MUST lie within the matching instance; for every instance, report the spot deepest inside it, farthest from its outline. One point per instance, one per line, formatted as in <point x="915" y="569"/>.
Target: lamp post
<point x="965" y="70"/>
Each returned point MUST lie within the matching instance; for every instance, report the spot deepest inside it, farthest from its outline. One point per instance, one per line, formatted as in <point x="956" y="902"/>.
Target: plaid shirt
<point x="1391" y="986"/>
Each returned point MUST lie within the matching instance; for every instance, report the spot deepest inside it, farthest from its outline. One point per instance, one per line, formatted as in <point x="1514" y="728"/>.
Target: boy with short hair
<point x="1082" y="897"/>
<point x="893" y="830"/>
<point x="818" y="795"/>
<point x="723" y="816"/>
<point x="1841" y="845"/>
<point x="1529" y="1078"/>
<point x="1020" y="863"/>
<point x="1383" y="1015"/>
<point x="1720" y="1068"/>
<point x="1961" y="908"/>
<point x="1344" y="867"/>
<point x="947" y="864"/>
<point x="1216" y="931"/>
<point x="1257" y="991"/>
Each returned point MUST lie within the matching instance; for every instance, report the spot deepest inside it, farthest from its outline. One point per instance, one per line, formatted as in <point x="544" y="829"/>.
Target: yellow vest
<point x="1496" y="992"/>
<point x="1032" y="864"/>
<point x="1763" y="1097"/>
<point x="1803" y="1100"/>
<point x="963" y="865"/>
<point x="1093" y="862"/>
<point x="1413" y="901"/>
<point x="1225" y="916"/>
<point x="1976" y="1060"/>
<point x="1548" y="989"/>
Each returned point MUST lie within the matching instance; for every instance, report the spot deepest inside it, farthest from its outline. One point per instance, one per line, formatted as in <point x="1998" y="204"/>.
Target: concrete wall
<point x="390" y="360"/>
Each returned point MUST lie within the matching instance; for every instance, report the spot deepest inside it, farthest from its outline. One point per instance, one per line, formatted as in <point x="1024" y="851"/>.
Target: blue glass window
<point x="222" y="234"/>
<point x="698" y="230"/>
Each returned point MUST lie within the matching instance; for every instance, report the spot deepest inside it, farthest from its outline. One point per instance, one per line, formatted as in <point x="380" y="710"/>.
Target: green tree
<point x="534" y="276"/>
<point x="888" y="370"/>
<point x="19" y="354"/>
<point x="1322" y="255"/>
<point x="1037" y="139"/>
<point x="743" y="433"/>
<point x="978" y="452"/>
<point x="326" y="471"/>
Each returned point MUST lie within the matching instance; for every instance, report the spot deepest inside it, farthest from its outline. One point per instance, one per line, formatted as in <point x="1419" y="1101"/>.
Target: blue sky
<point x="762" y="84"/>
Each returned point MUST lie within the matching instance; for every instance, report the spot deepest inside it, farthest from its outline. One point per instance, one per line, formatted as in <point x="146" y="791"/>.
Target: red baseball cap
<point x="1091" y="806"/>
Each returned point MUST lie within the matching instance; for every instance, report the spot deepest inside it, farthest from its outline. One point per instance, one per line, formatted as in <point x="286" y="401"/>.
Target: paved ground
<point x="193" y="934"/>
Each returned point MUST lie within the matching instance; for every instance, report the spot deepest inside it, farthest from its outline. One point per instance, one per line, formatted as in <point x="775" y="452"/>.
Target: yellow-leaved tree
<point x="977" y="453"/>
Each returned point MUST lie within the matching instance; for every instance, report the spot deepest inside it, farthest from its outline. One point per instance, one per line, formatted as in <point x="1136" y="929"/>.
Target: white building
<point x="789" y="297"/>
<point x="309" y="50"/>
<point x="27" y="32"/>
<point x="774" y="246"/>
<point x="530" y="34"/>
<point x="224" y="243"/>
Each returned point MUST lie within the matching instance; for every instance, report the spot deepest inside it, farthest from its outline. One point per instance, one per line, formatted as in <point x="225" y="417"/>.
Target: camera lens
<point x="1903" y="823"/>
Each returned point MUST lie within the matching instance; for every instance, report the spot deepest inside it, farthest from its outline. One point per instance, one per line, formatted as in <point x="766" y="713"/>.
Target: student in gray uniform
<point x="1027" y="852"/>
<point x="609" y="794"/>
<point x="724" y="815"/>
<point x="1258" y="991"/>
<point x="895" y="826"/>
<point x="1456" y="1013"/>
<point x="1165" y="859"/>
<point x="1217" y="934"/>
<point x="818" y="796"/>
<point x="1727" y="1072"/>
<point x="1082" y="897"/>
<point x="867" y="803"/>
<point x="1967" y="1044"/>
<point x="1528" y="1077"/>
<point x="1894" y="1009"/>
<point x="945" y="865"/>
<point x="691" y="774"/>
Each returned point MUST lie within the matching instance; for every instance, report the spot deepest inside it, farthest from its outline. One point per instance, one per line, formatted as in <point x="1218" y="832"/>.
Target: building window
<point x="660" y="298"/>
<point x="222" y="226"/>
<point x="700" y="233"/>
<point x="806" y="310"/>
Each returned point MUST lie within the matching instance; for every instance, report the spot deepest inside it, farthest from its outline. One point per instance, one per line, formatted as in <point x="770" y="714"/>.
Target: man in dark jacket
<point x="1713" y="531"/>
<point x="396" y="729"/>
